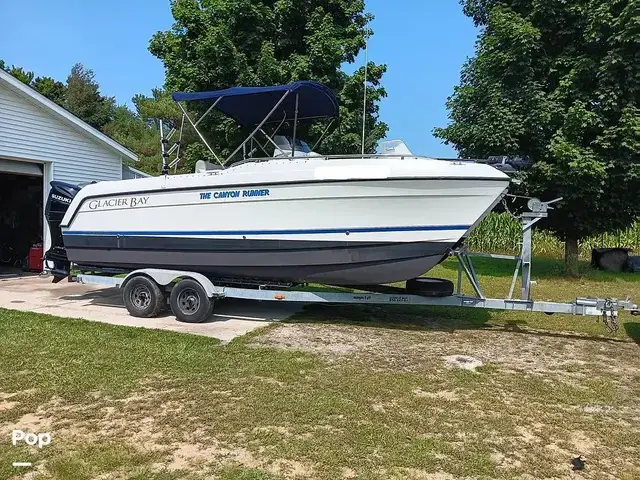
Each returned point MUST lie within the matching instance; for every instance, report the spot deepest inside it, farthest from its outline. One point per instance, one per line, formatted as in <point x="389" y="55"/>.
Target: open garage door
<point x="21" y="168"/>
<point x="21" y="209"/>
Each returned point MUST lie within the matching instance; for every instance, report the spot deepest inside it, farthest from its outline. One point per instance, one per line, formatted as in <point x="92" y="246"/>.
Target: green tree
<point x="217" y="44"/>
<point x="138" y="130"/>
<point x="160" y="105"/>
<point x="558" y="81"/>
<point x="47" y="86"/>
<point x="52" y="89"/>
<point x="84" y="100"/>
<point x="137" y="134"/>
<point x="21" y="74"/>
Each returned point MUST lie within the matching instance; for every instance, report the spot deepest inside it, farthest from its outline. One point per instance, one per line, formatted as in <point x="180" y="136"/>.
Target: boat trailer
<point x="192" y="295"/>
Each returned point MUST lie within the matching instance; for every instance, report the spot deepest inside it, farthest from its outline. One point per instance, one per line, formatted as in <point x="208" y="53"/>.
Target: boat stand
<point x="170" y="282"/>
<point x="606" y="308"/>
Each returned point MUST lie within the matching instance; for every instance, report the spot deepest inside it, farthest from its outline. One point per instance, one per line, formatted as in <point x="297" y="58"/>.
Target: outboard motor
<point x="60" y="198"/>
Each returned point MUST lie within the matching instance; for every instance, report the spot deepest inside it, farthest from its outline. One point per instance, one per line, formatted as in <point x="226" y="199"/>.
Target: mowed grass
<point x="336" y="392"/>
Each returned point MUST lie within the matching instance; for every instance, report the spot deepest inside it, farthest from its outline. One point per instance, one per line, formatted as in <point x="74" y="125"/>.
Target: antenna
<point x="364" y="102"/>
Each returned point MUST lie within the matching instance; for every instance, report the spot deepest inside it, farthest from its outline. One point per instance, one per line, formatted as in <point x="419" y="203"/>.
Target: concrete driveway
<point x="231" y="317"/>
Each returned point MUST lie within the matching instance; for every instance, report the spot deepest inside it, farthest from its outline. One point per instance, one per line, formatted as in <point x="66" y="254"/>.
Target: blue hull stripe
<point x="272" y="232"/>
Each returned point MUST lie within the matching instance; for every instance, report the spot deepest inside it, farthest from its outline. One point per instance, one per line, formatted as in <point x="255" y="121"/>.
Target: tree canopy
<point x="138" y="131"/>
<point x="559" y="82"/>
<point x="47" y="86"/>
<point x="80" y="95"/>
<point x="216" y="44"/>
<point x="83" y="98"/>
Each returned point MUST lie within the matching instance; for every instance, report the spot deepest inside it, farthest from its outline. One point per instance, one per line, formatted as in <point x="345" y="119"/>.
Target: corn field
<point x="501" y="233"/>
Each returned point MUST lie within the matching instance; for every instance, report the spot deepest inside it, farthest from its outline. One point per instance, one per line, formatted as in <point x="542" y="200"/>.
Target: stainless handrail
<point x="354" y="155"/>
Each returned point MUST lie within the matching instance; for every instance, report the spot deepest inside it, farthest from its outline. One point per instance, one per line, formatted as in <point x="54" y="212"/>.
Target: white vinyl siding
<point x="30" y="132"/>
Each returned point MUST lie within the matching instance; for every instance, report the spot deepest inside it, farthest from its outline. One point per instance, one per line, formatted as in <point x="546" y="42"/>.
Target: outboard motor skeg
<point x="60" y="197"/>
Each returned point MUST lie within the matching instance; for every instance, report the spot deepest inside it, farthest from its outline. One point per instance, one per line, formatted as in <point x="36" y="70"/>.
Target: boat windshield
<point x="284" y="147"/>
<point x="284" y="143"/>
<point x="302" y="146"/>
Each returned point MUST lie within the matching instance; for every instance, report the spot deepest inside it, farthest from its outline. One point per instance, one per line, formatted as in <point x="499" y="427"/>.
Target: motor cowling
<point x="60" y="197"/>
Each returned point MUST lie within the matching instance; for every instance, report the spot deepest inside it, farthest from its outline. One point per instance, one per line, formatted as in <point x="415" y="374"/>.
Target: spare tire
<point x="430" y="287"/>
<point x="610" y="259"/>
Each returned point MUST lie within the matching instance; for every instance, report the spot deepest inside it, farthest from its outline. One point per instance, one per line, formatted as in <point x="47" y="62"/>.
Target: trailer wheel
<point x="430" y="287"/>
<point x="189" y="302"/>
<point x="142" y="297"/>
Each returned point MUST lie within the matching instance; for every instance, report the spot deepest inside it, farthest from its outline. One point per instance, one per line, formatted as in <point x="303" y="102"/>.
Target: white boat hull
<point x="343" y="231"/>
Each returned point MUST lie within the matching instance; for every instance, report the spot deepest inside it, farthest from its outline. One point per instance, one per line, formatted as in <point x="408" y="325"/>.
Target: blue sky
<point x="423" y="43"/>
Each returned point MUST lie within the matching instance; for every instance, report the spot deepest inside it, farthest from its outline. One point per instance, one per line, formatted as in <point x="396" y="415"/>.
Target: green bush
<point x="501" y="233"/>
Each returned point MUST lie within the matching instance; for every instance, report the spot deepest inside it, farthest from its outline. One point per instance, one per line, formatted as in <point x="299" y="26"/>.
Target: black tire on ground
<point x="142" y="297"/>
<point x="189" y="302"/>
<point x="430" y="287"/>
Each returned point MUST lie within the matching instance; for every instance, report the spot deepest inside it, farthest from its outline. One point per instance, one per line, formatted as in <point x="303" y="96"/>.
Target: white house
<point x="128" y="173"/>
<point x="40" y="142"/>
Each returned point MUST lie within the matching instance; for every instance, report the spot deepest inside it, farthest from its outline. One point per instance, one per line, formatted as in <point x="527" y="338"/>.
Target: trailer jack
<point x="610" y="315"/>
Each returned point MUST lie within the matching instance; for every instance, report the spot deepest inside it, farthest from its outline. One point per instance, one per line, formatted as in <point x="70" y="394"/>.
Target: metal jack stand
<point x="538" y="211"/>
<point x="528" y="220"/>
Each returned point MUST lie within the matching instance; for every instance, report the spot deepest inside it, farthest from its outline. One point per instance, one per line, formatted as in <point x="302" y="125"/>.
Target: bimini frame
<point x="264" y="120"/>
<point x="321" y="103"/>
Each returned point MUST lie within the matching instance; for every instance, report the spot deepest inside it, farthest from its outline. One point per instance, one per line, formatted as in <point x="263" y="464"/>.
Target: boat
<point x="294" y="216"/>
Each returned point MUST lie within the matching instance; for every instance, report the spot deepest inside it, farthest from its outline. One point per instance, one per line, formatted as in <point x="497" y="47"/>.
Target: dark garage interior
<point x="20" y="219"/>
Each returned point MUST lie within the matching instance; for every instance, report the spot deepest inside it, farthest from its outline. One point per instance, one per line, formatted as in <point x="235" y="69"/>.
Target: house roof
<point x="64" y="115"/>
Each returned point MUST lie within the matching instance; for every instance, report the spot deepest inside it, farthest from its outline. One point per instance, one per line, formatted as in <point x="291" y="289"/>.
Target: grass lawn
<point x="336" y="392"/>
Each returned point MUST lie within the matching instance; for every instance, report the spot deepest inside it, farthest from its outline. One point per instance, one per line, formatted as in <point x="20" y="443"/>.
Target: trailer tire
<point x="189" y="301"/>
<point x="430" y="287"/>
<point x="142" y="297"/>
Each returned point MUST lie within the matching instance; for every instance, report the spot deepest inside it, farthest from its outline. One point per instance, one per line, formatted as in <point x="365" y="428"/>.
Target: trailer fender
<point x="165" y="277"/>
